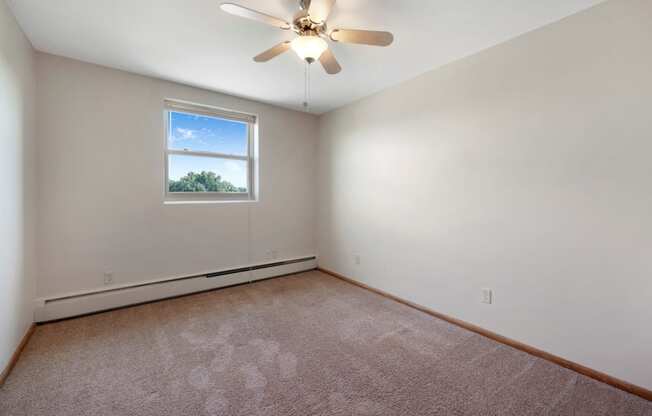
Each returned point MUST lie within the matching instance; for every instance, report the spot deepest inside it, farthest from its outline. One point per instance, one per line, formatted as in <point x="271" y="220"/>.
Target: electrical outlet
<point x="108" y="278"/>
<point x="487" y="296"/>
<point x="356" y="259"/>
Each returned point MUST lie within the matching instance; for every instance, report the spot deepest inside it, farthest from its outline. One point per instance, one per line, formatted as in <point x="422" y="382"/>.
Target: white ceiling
<point x="194" y="42"/>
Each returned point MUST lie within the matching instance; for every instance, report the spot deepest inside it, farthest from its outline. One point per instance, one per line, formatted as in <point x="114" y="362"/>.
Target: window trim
<point x="250" y="158"/>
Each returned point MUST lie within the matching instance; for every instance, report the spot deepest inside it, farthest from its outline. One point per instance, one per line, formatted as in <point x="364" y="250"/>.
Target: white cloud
<point x="234" y="172"/>
<point x="185" y="134"/>
<point x="234" y="167"/>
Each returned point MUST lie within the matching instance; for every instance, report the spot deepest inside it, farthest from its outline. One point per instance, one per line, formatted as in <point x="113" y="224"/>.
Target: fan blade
<point x="247" y="13"/>
<point x="364" y="37"/>
<point x="319" y="10"/>
<point x="329" y="62"/>
<point x="273" y="52"/>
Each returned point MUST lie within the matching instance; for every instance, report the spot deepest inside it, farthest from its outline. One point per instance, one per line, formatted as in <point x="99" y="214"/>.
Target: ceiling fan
<point x="310" y="24"/>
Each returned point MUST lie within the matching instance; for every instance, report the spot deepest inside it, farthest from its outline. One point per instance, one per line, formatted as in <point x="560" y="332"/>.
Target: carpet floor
<point x="303" y="345"/>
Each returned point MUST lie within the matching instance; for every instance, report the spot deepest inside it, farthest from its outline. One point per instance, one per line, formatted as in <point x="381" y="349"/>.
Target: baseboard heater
<point x="179" y="279"/>
<point x="260" y="266"/>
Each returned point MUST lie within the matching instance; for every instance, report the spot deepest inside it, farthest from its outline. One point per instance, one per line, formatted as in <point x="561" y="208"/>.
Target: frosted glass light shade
<point x="309" y="48"/>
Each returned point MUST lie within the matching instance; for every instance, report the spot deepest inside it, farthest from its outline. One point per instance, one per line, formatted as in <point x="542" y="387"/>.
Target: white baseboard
<point x="89" y="302"/>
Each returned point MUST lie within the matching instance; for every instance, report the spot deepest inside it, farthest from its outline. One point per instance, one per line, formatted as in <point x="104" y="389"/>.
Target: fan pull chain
<point x="306" y="93"/>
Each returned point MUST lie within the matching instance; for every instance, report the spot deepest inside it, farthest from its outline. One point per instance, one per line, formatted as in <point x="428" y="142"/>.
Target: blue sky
<point x="208" y="134"/>
<point x="200" y="133"/>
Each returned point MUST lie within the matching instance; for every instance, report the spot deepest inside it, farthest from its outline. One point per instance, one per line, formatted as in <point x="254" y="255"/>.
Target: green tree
<point x="203" y="182"/>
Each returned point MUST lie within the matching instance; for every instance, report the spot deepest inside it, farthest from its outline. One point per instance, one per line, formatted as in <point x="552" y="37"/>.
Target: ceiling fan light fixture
<point x="308" y="47"/>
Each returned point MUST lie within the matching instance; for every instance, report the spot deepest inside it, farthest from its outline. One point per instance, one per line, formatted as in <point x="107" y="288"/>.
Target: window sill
<point x="209" y="202"/>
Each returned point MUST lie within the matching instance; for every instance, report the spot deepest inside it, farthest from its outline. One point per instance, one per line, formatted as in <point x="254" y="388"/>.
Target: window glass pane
<point x="206" y="174"/>
<point x="207" y="134"/>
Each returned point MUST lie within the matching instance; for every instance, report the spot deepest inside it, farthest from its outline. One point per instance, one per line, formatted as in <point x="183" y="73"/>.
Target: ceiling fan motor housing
<point x="304" y="26"/>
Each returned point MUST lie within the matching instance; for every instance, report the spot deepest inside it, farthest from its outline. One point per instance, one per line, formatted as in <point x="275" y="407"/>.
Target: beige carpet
<point x="301" y="345"/>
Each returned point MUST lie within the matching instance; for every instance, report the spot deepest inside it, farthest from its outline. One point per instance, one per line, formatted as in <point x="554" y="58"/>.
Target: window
<point x="209" y="154"/>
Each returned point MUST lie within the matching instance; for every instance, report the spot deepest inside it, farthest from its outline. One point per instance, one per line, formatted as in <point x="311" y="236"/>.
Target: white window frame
<point x="250" y="158"/>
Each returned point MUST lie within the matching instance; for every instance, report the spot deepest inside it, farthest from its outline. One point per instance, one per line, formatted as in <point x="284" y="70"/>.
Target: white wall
<point x="525" y="169"/>
<point x="101" y="166"/>
<point x="17" y="173"/>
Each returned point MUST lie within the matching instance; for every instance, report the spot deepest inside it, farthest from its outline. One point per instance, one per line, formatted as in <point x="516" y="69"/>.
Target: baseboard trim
<point x="14" y="358"/>
<point x="578" y="368"/>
